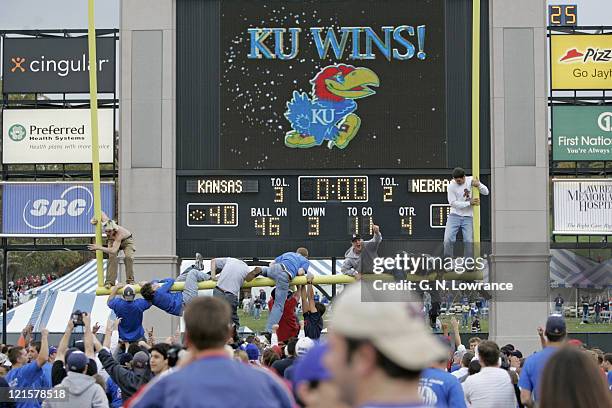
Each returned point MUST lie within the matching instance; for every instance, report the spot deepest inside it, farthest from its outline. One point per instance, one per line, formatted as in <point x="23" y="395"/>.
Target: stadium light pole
<point x="95" y="146"/>
<point x="476" y="117"/>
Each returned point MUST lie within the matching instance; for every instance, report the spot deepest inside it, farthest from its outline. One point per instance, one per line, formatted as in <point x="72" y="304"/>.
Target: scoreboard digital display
<point x="302" y="122"/>
<point x="325" y="207"/>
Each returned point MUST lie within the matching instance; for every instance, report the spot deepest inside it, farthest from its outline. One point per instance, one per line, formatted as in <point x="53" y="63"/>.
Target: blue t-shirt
<point x="293" y="261"/>
<point x="170" y="302"/>
<point x="532" y="370"/>
<point x="130" y="328"/>
<point x="234" y="384"/>
<point x="28" y="376"/>
<point x="610" y="380"/>
<point x="441" y="389"/>
<point x="113" y="393"/>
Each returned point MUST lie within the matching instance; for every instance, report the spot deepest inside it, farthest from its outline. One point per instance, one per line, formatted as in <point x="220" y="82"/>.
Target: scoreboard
<point x="322" y="208"/>
<point x="302" y="122"/>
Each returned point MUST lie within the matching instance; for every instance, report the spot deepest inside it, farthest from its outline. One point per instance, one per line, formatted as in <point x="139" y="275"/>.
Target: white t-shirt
<point x="459" y="196"/>
<point x="491" y="387"/>
<point x="233" y="273"/>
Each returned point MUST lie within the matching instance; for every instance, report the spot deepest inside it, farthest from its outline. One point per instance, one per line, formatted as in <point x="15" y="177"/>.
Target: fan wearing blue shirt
<point x="282" y="270"/>
<point x="439" y="388"/>
<point x="158" y="292"/>
<point x="534" y="365"/>
<point x="28" y="375"/>
<point x="608" y="367"/>
<point x="129" y="311"/>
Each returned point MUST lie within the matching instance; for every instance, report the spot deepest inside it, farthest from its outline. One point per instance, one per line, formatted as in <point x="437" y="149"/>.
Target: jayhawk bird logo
<point x="328" y="113"/>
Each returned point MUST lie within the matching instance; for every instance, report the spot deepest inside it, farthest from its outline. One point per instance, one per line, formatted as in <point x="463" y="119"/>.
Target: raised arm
<point x="455" y="325"/>
<point x="63" y="344"/>
<point x="213" y="269"/>
<point x="113" y="293"/>
<point x="304" y="298"/>
<point x="311" y="303"/>
<point x="43" y="355"/>
<point x="88" y="336"/>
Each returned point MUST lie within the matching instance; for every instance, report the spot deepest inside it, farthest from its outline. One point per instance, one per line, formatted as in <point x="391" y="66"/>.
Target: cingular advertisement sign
<point x="582" y="133"/>
<point x="56" y="65"/>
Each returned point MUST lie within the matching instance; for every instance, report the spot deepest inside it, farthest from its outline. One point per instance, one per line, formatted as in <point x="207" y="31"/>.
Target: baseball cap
<point x="140" y="360"/>
<point x="128" y="293"/>
<point x="310" y="367"/>
<point x="395" y="328"/>
<point x="252" y="351"/>
<point x="77" y="361"/>
<point x="52" y="350"/>
<point x="555" y="325"/>
<point x="356" y="237"/>
<point x="303" y="345"/>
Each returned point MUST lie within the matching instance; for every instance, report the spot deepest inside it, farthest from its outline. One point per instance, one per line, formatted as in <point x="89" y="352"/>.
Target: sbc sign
<point x="51" y="209"/>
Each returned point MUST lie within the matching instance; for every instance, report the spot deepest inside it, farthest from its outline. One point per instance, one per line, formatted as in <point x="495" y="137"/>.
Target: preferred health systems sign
<point x="56" y="65"/>
<point x="581" y="61"/>
<point x="583" y="206"/>
<point x="52" y="209"/>
<point x="582" y="133"/>
<point x="54" y="136"/>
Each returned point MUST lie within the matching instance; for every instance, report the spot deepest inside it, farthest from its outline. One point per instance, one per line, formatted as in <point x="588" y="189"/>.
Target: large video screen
<point x="332" y="84"/>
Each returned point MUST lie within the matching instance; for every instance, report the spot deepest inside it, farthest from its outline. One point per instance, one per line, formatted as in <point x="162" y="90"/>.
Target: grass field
<point x="573" y="324"/>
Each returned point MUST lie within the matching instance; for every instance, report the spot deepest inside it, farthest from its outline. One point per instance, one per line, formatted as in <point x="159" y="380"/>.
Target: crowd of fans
<point x="375" y="355"/>
<point x="18" y="290"/>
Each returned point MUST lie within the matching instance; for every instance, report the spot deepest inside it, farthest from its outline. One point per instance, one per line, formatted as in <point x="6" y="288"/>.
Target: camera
<point x="77" y="318"/>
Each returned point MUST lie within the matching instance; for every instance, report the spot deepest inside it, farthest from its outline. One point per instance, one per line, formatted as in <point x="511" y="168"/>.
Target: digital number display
<point x="438" y="214"/>
<point x="212" y="215"/>
<point x="333" y="188"/>
<point x="288" y="212"/>
<point x="563" y="15"/>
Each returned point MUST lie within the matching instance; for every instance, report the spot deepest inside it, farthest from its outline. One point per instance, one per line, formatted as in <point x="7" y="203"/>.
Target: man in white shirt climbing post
<point x="459" y="192"/>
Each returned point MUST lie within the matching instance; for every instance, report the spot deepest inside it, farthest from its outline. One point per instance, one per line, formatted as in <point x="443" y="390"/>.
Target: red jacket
<point x="288" y="326"/>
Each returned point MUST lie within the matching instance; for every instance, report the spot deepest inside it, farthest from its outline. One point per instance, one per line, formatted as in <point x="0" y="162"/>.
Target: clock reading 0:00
<point x="333" y="188"/>
<point x="212" y="215"/>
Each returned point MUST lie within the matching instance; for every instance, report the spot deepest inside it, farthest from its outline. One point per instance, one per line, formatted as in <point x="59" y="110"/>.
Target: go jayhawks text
<point x="392" y="42"/>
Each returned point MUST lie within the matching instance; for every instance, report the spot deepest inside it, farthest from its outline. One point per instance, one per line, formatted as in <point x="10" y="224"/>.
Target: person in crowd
<point x="585" y="309"/>
<point x="534" y="365"/>
<point x="476" y="324"/>
<point x="282" y="270"/>
<point x="312" y="382"/>
<point x="130" y="311"/>
<point x="262" y="297"/>
<point x="462" y="373"/>
<point x="257" y="309"/>
<point x="597" y="310"/>
<point x="234" y="273"/>
<point x="82" y="389"/>
<point x="118" y="238"/>
<point x="33" y="351"/>
<point x="359" y="258"/>
<point x="281" y="365"/>
<point x="28" y="375"/>
<point x="269" y="357"/>
<point x="570" y="379"/>
<point x="367" y="355"/>
<point x="465" y="314"/>
<point x="492" y="386"/>
<point x="159" y="358"/>
<point x="288" y="325"/>
<point x="462" y="203"/>
<point x="159" y="294"/>
<point x="607" y="365"/>
<point x="246" y="301"/>
<point x="438" y="387"/>
<point x="313" y="311"/>
<point x="559" y="304"/>
<point x="302" y="347"/>
<point x="128" y="380"/>
<point x="230" y="384"/>
<point x="474" y="342"/>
